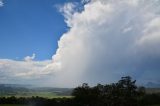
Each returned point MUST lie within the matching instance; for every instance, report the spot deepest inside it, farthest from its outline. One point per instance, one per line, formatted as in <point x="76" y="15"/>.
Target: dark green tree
<point x="122" y="93"/>
<point x="127" y="91"/>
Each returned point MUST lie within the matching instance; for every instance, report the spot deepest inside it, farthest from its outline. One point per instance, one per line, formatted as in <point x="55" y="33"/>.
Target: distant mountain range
<point x="20" y="90"/>
<point x="152" y="85"/>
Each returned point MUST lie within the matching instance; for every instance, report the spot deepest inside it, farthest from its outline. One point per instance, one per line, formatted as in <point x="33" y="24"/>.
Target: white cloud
<point x="30" y="58"/>
<point x="1" y="3"/>
<point x="105" y="41"/>
<point x="22" y="71"/>
<point x="127" y="29"/>
<point x="101" y="44"/>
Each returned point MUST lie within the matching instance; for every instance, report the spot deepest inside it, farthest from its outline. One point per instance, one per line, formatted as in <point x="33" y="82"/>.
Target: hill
<point x="27" y="91"/>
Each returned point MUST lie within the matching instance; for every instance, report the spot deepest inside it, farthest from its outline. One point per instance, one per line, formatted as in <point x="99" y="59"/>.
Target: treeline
<point x="123" y="93"/>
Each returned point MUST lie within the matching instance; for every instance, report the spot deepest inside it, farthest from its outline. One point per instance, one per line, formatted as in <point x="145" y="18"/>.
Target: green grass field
<point x="39" y="94"/>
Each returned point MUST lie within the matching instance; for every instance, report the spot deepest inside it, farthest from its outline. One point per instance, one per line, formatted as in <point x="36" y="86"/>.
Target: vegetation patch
<point x="123" y="93"/>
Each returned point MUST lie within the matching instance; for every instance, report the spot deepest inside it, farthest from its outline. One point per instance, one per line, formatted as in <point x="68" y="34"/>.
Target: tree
<point x="127" y="91"/>
<point x="122" y="93"/>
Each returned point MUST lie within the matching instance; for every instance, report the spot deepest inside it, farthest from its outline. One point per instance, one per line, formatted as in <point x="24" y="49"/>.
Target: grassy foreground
<point x="12" y="105"/>
<point x="28" y="105"/>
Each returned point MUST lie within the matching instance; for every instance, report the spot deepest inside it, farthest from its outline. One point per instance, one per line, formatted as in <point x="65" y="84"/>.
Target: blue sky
<point x="62" y="43"/>
<point x="30" y="26"/>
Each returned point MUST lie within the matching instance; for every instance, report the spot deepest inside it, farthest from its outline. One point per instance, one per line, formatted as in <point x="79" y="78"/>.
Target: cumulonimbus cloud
<point x="106" y="40"/>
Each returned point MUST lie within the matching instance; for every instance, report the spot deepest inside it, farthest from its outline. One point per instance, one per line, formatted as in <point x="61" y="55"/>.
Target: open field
<point x="8" y="90"/>
<point x="153" y="90"/>
<point x="39" y="94"/>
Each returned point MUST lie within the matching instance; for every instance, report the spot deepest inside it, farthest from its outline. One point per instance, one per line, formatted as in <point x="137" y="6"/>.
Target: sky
<point x="30" y="26"/>
<point x="64" y="43"/>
